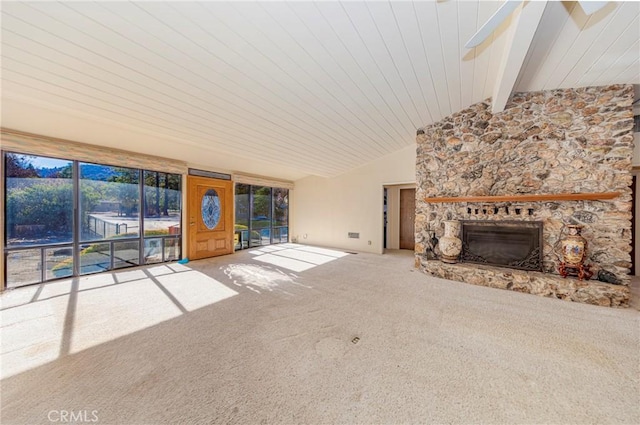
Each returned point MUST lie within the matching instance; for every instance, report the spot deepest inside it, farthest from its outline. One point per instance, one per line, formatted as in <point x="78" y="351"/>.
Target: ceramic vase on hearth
<point x="450" y="244"/>
<point x="574" y="246"/>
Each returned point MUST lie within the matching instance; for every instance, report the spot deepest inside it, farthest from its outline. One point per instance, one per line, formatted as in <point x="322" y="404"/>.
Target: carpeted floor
<point x="293" y="334"/>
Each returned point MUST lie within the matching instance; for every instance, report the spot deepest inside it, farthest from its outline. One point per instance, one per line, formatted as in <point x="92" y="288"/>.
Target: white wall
<point x="327" y="209"/>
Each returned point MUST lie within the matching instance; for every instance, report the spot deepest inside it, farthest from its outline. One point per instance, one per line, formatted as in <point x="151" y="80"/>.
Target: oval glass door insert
<point x="211" y="209"/>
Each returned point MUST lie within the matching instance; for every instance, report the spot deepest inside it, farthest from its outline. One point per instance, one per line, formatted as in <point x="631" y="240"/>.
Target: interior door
<point x="210" y="212"/>
<point x="407" y="218"/>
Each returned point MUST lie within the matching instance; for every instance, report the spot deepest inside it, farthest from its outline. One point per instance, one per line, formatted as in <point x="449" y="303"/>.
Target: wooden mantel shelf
<point x="527" y="198"/>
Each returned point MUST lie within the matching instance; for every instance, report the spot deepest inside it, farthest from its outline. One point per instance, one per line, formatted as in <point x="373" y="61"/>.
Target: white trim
<point x="261" y="181"/>
<point x="35" y="144"/>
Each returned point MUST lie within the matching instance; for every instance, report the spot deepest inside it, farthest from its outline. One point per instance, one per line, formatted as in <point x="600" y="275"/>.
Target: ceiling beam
<point x="523" y="27"/>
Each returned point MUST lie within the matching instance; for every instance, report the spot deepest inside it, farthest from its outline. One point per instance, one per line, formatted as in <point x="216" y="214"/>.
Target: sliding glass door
<point x="280" y="215"/>
<point x="243" y="213"/>
<point x="262" y="215"/>
<point x="162" y="207"/>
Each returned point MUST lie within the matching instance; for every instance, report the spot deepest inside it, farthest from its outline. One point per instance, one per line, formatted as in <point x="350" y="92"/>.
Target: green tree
<point x="280" y="206"/>
<point x="127" y="191"/>
<point x="46" y="204"/>
<point x="174" y="186"/>
<point x="161" y="193"/>
<point x="64" y="172"/>
<point x="19" y="166"/>
<point x="262" y="201"/>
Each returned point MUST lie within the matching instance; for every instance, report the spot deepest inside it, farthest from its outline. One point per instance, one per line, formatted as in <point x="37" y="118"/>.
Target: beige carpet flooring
<point x="301" y="335"/>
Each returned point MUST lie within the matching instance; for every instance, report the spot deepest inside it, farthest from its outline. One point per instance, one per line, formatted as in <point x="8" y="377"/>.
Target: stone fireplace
<point x="555" y="158"/>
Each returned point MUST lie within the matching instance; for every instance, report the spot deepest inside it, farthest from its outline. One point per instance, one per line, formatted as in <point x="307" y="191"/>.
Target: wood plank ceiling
<point x="312" y="88"/>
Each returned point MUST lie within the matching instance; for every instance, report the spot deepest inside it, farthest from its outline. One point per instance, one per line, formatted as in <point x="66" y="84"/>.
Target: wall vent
<point x="211" y="174"/>
<point x="354" y="235"/>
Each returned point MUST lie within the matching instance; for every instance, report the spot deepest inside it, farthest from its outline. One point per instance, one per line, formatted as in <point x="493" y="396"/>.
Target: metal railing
<point x="100" y="228"/>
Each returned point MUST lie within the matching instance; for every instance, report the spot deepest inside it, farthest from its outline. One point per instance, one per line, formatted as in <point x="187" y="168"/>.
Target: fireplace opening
<point x="514" y="244"/>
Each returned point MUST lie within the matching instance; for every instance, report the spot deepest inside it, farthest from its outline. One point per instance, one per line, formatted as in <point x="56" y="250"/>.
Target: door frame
<point x="408" y="215"/>
<point x="228" y="213"/>
<point x="393" y="213"/>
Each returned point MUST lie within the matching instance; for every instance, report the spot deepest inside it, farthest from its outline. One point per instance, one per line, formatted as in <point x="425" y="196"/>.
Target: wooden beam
<point x="524" y="24"/>
<point x="527" y="198"/>
<point x="501" y="14"/>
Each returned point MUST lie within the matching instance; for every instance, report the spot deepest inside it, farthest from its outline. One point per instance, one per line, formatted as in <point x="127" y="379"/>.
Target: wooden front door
<point x="407" y="218"/>
<point x="210" y="212"/>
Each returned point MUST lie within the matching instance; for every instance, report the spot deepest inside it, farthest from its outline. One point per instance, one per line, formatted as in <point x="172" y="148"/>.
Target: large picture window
<point x="39" y="200"/>
<point x="67" y="218"/>
<point x="39" y="218"/>
<point x="109" y="202"/>
<point x="262" y="215"/>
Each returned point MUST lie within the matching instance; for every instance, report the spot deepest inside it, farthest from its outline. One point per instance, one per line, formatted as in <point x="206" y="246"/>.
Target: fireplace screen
<point x="514" y="244"/>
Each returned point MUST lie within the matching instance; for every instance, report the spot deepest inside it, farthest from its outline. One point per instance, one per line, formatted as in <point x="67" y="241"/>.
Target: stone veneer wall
<point x="547" y="142"/>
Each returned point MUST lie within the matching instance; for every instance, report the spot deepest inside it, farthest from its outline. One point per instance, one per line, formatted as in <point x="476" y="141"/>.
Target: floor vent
<point x="354" y="235"/>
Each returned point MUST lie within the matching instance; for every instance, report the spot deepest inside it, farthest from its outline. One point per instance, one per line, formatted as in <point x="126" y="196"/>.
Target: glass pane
<point x="172" y="249"/>
<point x="280" y="207"/>
<point x="242" y="207"/>
<point x="153" y="250"/>
<point x="280" y="234"/>
<point x="23" y="267"/>
<point x="242" y="216"/>
<point x="126" y="254"/>
<point x="109" y="202"/>
<point x="59" y="262"/>
<point x="162" y="203"/>
<point x="261" y="237"/>
<point x="261" y="204"/>
<point x="39" y="200"/>
<point x="95" y="258"/>
<point x="242" y="239"/>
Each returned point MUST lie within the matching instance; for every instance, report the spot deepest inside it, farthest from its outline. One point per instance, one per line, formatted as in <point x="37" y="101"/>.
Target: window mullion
<point x="75" y="252"/>
<point x="141" y="209"/>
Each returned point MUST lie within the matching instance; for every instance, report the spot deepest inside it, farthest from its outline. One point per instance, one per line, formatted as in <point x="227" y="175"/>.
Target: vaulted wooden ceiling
<point x="288" y="88"/>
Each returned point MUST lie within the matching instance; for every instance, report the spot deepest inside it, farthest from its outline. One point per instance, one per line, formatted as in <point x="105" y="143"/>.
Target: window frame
<point x="77" y="244"/>
<point x="272" y="227"/>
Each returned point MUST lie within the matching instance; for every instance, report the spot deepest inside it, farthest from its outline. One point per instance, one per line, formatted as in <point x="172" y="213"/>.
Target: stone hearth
<point x="548" y="142"/>
<point x="537" y="283"/>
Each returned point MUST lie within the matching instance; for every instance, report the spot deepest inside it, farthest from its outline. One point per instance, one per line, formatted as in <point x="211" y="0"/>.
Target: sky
<point x="44" y="162"/>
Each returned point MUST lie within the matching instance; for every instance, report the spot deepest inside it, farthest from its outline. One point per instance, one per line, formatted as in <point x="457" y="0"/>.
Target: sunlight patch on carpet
<point x="44" y="322"/>
<point x="294" y="257"/>
<point x="259" y="278"/>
